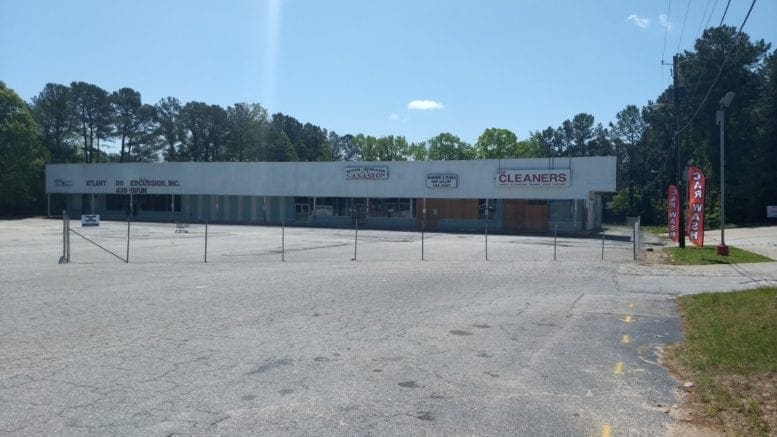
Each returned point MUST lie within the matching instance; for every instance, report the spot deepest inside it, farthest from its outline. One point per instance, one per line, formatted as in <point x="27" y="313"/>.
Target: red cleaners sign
<point x="674" y="213"/>
<point x="697" y="191"/>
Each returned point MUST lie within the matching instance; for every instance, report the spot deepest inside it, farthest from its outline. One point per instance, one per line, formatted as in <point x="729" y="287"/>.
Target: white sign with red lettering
<point x="533" y="178"/>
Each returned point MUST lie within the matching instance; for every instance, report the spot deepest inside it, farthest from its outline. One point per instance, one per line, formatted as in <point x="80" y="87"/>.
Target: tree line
<point x="82" y="122"/>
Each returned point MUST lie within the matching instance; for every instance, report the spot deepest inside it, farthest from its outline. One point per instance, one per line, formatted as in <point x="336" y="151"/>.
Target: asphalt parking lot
<point x="320" y="344"/>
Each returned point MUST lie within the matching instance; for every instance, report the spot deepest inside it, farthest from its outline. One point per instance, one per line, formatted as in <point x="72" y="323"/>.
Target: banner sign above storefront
<point x="442" y="181"/>
<point x="373" y="172"/>
<point x="696" y="194"/>
<point x="533" y="178"/>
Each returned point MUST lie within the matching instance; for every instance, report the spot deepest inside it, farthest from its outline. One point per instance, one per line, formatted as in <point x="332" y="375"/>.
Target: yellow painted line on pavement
<point x="618" y="369"/>
<point x="631" y="305"/>
<point x="628" y="319"/>
<point x="625" y="339"/>
<point x="606" y="430"/>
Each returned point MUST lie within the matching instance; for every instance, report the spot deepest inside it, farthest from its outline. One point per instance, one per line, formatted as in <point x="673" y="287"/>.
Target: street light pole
<point x="720" y="116"/>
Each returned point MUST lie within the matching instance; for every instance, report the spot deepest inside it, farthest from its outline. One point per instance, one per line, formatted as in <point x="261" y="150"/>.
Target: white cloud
<point x="638" y="21"/>
<point x="394" y="117"/>
<point x="425" y="105"/>
<point x="665" y="23"/>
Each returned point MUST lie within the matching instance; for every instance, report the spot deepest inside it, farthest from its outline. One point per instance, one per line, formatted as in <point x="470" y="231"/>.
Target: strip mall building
<point x="522" y="195"/>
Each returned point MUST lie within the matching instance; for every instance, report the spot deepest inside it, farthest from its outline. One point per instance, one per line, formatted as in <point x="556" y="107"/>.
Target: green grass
<point x="655" y="229"/>
<point x="730" y="345"/>
<point x="732" y="332"/>
<point x="692" y="255"/>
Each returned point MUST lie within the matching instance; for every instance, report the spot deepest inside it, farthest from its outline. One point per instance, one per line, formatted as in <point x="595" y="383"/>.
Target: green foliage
<point x="94" y="111"/>
<point x="54" y="112"/>
<point x="692" y="255"/>
<point x="21" y="156"/>
<point x="496" y="143"/>
<point x="446" y="146"/>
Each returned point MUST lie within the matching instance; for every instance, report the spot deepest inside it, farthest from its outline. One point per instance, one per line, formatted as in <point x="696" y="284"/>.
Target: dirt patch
<point x="656" y="256"/>
<point x="722" y="405"/>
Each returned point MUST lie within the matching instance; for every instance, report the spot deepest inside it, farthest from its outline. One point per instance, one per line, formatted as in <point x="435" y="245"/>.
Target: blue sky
<point x="380" y="67"/>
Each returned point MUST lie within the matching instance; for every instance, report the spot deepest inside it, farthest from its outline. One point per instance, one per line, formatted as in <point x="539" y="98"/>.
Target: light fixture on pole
<point x="719" y="118"/>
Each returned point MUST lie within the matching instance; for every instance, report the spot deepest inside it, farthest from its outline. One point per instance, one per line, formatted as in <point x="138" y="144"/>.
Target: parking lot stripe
<point x="618" y="369"/>
<point x="625" y="339"/>
<point x="606" y="430"/>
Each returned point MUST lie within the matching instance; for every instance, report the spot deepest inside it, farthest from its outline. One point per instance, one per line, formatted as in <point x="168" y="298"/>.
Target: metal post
<point x="634" y="240"/>
<point x="65" y="232"/>
<point x="423" y="228"/>
<point x="722" y="185"/>
<point x="721" y="116"/>
<point x="67" y="237"/>
<point x="48" y="205"/>
<point x="355" y="232"/>
<point x="283" y="229"/>
<point x="126" y="260"/>
<point x="91" y="203"/>
<point x="555" y="239"/>
<point x="206" y="241"/>
<point x="602" y="244"/>
<point x="486" y="215"/>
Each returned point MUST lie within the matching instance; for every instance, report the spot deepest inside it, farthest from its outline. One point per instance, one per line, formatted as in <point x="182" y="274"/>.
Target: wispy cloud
<point x="425" y="105"/>
<point x="641" y="22"/>
<point x="664" y="21"/>
<point x="394" y="117"/>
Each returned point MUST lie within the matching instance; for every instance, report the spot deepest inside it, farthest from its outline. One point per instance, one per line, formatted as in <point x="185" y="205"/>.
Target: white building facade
<point x="514" y="195"/>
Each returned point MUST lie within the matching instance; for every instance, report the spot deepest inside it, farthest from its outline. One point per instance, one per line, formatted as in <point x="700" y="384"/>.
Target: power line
<point x="707" y="24"/>
<point x="728" y="3"/>
<point x="699" y="33"/>
<point x="720" y="70"/>
<point x="704" y="14"/>
<point x="682" y="29"/>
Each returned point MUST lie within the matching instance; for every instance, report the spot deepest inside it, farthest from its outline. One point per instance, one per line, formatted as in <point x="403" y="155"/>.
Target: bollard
<point x="206" y="242"/>
<point x="555" y="238"/>
<point x="283" y="240"/>
<point x="486" y="215"/>
<point x="355" y="236"/>
<point x="423" y="226"/>
<point x="602" y="244"/>
<point x="65" y="237"/>
<point x="126" y="260"/>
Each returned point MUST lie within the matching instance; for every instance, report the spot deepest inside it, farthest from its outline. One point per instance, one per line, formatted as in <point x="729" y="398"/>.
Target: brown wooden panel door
<point x="537" y="217"/>
<point x="525" y="216"/>
<point x="446" y="208"/>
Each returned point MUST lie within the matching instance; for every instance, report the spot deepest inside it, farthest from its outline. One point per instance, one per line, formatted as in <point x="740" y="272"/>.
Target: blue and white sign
<point x="90" y="220"/>
<point x="442" y="181"/>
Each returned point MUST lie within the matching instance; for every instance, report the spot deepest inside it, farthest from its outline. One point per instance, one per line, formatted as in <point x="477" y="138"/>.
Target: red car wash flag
<point x="696" y="193"/>
<point x="674" y="213"/>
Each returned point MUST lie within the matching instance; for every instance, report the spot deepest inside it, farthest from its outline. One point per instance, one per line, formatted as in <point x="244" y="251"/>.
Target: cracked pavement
<point x="322" y="345"/>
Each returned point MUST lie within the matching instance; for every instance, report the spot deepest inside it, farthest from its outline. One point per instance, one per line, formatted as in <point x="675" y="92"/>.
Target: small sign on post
<point x="90" y="220"/>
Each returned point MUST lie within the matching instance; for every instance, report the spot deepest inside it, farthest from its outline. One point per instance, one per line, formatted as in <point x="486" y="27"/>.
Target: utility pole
<point x="677" y="141"/>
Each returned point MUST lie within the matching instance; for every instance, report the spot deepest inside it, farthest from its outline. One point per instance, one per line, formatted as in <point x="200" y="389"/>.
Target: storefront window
<point x="143" y="202"/>
<point x="482" y="208"/>
<point x="394" y="207"/>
